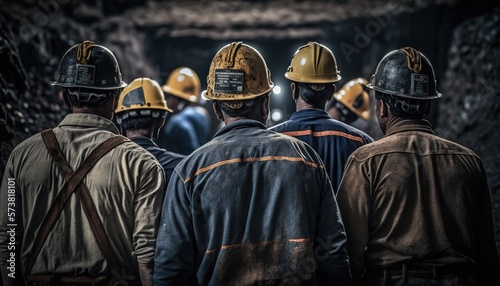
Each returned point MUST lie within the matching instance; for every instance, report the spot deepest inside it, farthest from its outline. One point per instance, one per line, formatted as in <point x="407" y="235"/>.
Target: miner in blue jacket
<point x="313" y="71"/>
<point x="252" y="206"/>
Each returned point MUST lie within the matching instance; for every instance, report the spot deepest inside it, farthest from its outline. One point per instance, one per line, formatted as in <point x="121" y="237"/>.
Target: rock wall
<point x="470" y="107"/>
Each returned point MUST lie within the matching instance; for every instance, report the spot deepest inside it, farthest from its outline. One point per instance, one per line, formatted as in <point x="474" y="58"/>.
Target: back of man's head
<point x="315" y="94"/>
<point x="314" y="69"/>
<point x="140" y="104"/>
<point x="405" y="81"/>
<point x="89" y="76"/>
<point x="238" y="79"/>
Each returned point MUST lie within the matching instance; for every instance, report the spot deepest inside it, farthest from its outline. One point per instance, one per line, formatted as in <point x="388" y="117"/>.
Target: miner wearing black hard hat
<point x="313" y="72"/>
<point x="82" y="199"/>
<point x="416" y="207"/>
<point x="251" y="206"/>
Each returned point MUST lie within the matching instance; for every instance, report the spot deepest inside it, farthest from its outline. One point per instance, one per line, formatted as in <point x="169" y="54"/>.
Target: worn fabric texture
<point x="251" y="207"/>
<point x="333" y="140"/>
<point x="185" y="131"/>
<point x="168" y="160"/>
<point x="412" y="197"/>
<point x="126" y="185"/>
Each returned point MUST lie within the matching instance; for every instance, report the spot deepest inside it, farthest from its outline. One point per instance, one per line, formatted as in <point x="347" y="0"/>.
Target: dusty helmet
<point x="355" y="98"/>
<point x="406" y="73"/>
<point x="88" y="65"/>
<point x="237" y="72"/>
<point x="183" y="82"/>
<point x="142" y="93"/>
<point x="313" y="63"/>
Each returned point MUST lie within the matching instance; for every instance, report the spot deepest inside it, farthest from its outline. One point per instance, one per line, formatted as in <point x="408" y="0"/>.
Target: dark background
<point x="150" y="38"/>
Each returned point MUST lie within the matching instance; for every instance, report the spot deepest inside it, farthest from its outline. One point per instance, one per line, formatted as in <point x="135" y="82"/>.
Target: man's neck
<point x="139" y="133"/>
<point x="391" y="121"/>
<point x="302" y="105"/>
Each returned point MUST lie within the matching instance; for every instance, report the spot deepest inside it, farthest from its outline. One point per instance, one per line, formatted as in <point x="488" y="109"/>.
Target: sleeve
<point x="330" y="242"/>
<point x="174" y="256"/>
<point x="353" y="201"/>
<point x="11" y="228"/>
<point x="147" y="203"/>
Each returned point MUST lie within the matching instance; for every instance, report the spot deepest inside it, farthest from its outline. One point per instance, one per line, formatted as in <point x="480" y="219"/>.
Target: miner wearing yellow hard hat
<point x="313" y="72"/>
<point x="140" y="114"/>
<point x="189" y="125"/>
<point x="251" y="206"/>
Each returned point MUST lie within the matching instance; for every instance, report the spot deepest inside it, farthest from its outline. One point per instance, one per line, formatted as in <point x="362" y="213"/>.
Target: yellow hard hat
<point x="237" y="72"/>
<point x="142" y="93"/>
<point x="355" y="98"/>
<point x="313" y="63"/>
<point x="183" y="82"/>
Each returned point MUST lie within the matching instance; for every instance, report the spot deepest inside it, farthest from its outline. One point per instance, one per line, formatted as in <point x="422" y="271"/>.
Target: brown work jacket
<point x="413" y="197"/>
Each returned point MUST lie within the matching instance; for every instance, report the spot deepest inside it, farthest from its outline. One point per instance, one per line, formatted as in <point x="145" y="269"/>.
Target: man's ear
<point x="295" y="91"/>
<point x="161" y="120"/>
<point x="265" y="106"/>
<point x="64" y="95"/>
<point x="382" y="108"/>
<point x="333" y="87"/>
<point x="217" y="110"/>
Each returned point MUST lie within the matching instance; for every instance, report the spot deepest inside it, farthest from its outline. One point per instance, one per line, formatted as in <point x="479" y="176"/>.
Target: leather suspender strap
<point x="72" y="184"/>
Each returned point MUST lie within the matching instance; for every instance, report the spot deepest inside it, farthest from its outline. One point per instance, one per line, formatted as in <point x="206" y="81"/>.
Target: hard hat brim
<point x="308" y="78"/>
<point x="68" y="85"/>
<point x="438" y="94"/>
<point x="188" y="97"/>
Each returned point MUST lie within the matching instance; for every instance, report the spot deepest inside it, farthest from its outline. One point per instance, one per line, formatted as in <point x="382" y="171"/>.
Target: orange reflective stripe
<point x="299" y="240"/>
<point x="292" y="240"/>
<point x="323" y="133"/>
<point x="253" y="159"/>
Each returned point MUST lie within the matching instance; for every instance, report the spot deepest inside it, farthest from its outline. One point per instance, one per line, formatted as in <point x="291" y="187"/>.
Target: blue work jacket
<point x="332" y="139"/>
<point x="251" y="206"/>
<point x="168" y="160"/>
<point x="185" y="131"/>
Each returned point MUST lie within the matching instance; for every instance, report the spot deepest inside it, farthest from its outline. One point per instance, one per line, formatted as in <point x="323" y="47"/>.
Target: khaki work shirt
<point x="412" y="197"/>
<point x="126" y="185"/>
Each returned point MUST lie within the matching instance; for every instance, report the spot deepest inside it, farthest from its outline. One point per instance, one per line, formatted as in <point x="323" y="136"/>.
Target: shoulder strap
<point x="73" y="180"/>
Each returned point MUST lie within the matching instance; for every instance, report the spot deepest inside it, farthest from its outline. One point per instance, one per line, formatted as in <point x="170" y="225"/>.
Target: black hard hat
<point x="88" y="65"/>
<point x="406" y="73"/>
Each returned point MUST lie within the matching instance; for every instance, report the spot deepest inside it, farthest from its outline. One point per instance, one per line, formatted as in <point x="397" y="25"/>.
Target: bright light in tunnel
<point x="277" y="89"/>
<point x="276" y="115"/>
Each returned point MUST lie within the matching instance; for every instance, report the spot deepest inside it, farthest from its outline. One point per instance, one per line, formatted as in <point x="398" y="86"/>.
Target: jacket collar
<point x="312" y="112"/>
<point x="88" y="120"/>
<point x="143" y="141"/>
<point x="240" y="124"/>
<point x="420" y="125"/>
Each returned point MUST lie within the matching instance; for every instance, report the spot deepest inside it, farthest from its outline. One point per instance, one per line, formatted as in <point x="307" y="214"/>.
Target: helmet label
<point x="85" y="74"/>
<point x="229" y="81"/>
<point x="419" y="84"/>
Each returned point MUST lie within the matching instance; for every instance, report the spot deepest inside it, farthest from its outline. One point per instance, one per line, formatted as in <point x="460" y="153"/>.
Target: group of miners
<point x="98" y="199"/>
